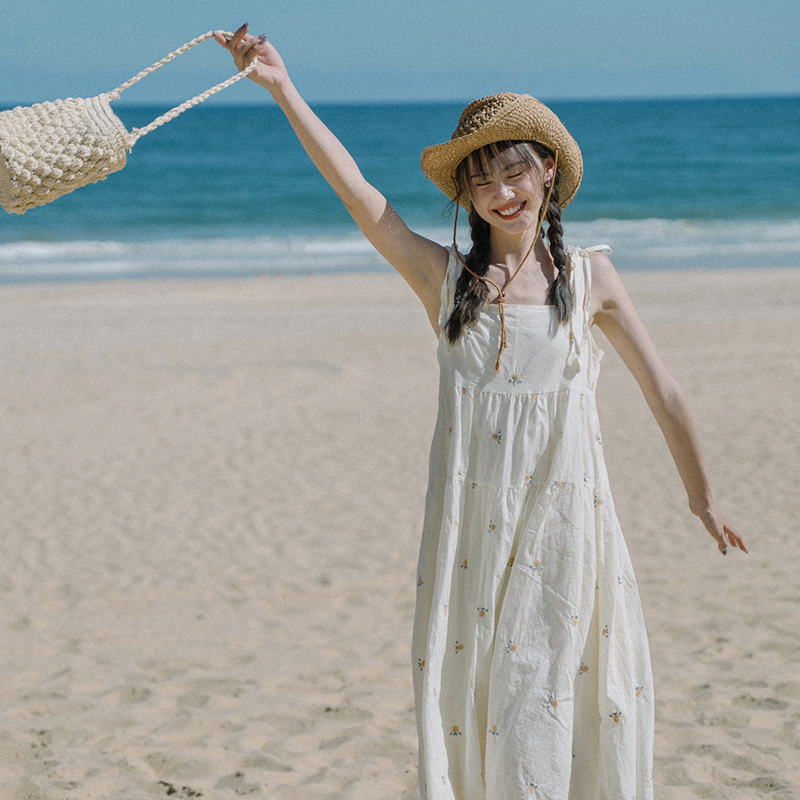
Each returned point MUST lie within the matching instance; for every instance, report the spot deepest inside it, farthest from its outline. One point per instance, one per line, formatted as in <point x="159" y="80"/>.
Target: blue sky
<point x="375" y="50"/>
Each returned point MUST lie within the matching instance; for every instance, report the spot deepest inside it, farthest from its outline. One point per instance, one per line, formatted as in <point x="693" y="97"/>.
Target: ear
<point x="549" y="169"/>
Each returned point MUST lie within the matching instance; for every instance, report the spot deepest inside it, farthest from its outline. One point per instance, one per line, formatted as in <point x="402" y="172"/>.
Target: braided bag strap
<point x="137" y="133"/>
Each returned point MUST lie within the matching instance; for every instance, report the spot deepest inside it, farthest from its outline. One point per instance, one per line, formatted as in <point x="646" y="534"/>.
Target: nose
<point x="504" y="190"/>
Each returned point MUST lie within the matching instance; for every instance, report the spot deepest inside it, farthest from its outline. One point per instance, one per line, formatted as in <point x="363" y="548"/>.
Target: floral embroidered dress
<point x="530" y="657"/>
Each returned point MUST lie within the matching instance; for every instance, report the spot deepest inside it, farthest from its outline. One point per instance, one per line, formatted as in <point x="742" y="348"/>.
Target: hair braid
<point x="560" y="293"/>
<point x="470" y="293"/>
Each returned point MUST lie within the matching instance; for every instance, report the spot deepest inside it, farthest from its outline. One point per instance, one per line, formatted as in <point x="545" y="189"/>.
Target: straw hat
<point x="498" y="118"/>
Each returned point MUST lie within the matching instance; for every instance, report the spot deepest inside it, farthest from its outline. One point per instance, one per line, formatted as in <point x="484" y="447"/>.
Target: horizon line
<point x="7" y="105"/>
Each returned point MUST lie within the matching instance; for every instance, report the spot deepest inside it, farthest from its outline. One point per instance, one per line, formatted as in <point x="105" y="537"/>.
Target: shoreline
<point x="213" y="494"/>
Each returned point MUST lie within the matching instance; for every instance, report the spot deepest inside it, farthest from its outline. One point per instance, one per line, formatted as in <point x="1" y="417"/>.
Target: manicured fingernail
<point x="725" y="551"/>
<point x="263" y="36"/>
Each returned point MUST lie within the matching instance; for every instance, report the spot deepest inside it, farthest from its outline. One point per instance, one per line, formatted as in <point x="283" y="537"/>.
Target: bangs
<point x="495" y="157"/>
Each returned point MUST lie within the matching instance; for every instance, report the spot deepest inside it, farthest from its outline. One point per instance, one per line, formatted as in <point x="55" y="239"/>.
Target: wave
<point x="642" y="244"/>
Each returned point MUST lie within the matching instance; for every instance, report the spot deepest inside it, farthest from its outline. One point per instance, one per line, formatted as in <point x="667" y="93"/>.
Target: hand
<point x="719" y="527"/>
<point x="270" y="71"/>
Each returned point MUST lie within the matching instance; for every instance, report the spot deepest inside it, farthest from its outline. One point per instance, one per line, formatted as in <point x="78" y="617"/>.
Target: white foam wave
<point x="649" y="243"/>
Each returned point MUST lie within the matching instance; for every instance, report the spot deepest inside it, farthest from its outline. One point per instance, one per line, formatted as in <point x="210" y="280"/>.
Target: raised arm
<point x="420" y="261"/>
<point x="613" y="312"/>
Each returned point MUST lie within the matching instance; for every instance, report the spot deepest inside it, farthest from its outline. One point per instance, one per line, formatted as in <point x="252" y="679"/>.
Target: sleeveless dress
<point x="531" y="666"/>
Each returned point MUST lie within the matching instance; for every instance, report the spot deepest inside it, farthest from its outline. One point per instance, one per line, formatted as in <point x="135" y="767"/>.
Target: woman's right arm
<point x="420" y="261"/>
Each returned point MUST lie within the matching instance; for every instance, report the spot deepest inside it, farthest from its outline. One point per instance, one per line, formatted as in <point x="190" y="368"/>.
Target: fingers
<point x="238" y="36"/>
<point x="735" y="539"/>
<point x="729" y="537"/>
<point x="242" y="45"/>
<point x="234" y="40"/>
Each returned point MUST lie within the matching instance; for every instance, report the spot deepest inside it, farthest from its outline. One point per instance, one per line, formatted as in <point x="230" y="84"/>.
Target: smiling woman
<point x="546" y="687"/>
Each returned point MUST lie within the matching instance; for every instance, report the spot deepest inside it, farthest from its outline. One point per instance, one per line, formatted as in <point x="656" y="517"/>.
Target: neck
<point x="509" y="252"/>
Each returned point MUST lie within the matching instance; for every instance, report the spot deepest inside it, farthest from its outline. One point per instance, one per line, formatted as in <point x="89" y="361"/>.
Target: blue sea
<point x="228" y="191"/>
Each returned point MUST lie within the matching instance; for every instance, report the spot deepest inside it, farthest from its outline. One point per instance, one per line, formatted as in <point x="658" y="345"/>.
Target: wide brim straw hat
<point x="505" y="117"/>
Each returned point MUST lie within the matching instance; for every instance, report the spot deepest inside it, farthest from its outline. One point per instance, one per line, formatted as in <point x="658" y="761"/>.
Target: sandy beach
<point x="212" y="496"/>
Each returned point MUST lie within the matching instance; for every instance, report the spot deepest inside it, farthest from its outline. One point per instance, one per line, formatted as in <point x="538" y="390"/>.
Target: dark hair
<point x="471" y="293"/>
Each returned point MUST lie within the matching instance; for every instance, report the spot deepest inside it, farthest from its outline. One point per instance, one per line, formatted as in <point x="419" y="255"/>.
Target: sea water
<point x="228" y="191"/>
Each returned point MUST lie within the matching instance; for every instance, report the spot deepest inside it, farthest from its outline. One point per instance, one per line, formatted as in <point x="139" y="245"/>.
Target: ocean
<point x="226" y="191"/>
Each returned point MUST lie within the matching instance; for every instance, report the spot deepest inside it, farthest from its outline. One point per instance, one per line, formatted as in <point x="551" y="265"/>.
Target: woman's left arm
<point x="613" y="312"/>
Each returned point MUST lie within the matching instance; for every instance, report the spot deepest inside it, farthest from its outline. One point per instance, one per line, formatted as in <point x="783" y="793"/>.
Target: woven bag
<point x="51" y="148"/>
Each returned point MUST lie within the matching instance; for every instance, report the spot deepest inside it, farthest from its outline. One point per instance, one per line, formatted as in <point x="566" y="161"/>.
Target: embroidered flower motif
<point x="445" y="609"/>
<point x="534" y="396"/>
<point x="497" y="436"/>
<point x="598" y="501"/>
<point x="528" y="478"/>
<point x="616" y="715"/>
<point x="454" y="731"/>
<point x="493" y="730"/>
<point x="531" y="787"/>
<point x="606" y="631"/>
<point x="583" y="669"/>
<point x="511" y="647"/>
<point x="536" y="566"/>
<point x="510" y="561"/>
<point x="482" y="612"/>
<point x="573" y="618"/>
<point x="459" y="648"/>
<point x="639" y="690"/>
<point x="492" y="526"/>
<point x="551" y="701"/>
<point x="556" y="485"/>
<point x="419" y="580"/>
<point x="421" y="663"/>
<point x="515" y="379"/>
<point x="463" y="390"/>
<point x="598" y="438"/>
<point x="464" y="565"/>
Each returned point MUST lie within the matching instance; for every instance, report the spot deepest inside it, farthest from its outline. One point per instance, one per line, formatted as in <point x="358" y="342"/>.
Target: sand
<point x="211" y="502"/>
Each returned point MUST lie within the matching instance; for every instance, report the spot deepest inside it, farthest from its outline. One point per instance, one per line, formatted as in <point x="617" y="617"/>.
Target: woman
<point x="532" y="673"/>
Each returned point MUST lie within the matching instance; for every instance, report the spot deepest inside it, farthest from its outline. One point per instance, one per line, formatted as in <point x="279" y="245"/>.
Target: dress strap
<point x="580" y="282"/>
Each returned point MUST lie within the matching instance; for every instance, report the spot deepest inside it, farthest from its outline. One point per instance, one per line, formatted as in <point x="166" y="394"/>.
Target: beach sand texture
<point x="212" y="496"/>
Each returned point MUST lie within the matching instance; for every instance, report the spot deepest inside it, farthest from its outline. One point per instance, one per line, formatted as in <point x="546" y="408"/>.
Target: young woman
<point x="530" y="658"/>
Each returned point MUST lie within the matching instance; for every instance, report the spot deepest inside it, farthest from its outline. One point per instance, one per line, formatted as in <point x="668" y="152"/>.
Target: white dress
<point x="531" y="666"/>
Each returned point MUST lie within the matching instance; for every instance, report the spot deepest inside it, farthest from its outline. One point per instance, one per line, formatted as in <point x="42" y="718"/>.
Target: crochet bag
<point x="51" y="148"/>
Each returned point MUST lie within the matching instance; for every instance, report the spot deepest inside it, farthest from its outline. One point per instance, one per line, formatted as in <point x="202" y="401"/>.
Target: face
<point x="507" y="190"/>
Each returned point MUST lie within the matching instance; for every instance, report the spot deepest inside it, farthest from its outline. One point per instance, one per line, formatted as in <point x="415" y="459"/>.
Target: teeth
<point x="509" y="212"/>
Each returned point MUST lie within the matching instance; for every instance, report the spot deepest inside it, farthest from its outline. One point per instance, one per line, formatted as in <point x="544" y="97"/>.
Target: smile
<point x="510" y="212"/>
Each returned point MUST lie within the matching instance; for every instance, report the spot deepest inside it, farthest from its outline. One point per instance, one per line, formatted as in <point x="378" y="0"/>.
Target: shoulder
<point x="604" y="273"/>
<point x="609" y="295"/>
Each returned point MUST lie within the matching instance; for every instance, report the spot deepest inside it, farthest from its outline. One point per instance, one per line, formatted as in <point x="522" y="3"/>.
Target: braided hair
<point x="471" y="293"/>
